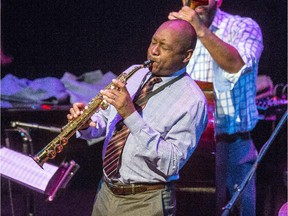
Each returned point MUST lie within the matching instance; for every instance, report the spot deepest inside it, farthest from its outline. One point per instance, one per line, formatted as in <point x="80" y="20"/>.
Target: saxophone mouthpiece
<point x="147" y="63"/>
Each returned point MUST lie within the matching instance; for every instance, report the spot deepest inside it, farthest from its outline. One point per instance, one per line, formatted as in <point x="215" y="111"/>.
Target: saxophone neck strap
<point x="162" y="87"/>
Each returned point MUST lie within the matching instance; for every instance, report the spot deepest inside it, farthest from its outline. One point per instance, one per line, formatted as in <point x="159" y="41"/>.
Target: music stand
<point x="21" y="169"/>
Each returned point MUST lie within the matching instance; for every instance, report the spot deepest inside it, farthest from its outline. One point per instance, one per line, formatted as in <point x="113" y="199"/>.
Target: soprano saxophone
<point x="58" y="143"/>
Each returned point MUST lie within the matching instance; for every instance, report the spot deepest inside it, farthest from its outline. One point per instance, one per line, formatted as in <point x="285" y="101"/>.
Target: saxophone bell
<point x="41" y="158"/>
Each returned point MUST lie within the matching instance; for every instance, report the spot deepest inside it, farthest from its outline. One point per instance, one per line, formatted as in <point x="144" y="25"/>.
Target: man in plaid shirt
<point x="227" y="53"/>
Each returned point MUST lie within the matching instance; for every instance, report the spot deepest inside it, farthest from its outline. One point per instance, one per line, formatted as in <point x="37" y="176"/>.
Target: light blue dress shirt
<point x="164" y="137"/>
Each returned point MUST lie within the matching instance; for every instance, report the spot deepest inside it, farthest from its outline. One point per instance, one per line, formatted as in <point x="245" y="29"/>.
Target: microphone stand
<point x="37" y="126"/>
<point x="27" y="148"/>
<point x="250" y="174"/>
<point x="27" y="145"/>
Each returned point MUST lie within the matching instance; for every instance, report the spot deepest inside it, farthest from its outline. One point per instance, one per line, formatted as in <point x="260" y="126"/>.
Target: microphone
<point x="37" y="126"/>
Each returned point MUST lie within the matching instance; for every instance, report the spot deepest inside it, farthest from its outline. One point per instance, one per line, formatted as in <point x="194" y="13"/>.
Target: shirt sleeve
<point x="94" y="132"/>
<point x="246" y="37"/>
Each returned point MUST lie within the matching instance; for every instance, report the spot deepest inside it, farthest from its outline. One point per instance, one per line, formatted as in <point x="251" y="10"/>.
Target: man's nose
<point x="155" y="50"/>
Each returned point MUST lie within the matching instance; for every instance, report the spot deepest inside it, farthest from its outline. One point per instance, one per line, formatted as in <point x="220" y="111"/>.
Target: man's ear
<point x="188" y="55"/>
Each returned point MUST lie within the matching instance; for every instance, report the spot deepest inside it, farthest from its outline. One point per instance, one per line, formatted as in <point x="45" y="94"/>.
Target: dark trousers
<point x="235" y="156"/>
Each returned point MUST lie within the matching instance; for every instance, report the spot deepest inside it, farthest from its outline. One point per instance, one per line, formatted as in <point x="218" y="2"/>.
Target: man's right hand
<point x="75" y="111"/>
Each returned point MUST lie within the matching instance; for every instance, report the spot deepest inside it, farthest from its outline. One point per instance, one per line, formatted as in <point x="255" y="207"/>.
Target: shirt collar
<point x="172" y="76"/>
<point x="175" y="74"/>
<point x="179" y="72"/>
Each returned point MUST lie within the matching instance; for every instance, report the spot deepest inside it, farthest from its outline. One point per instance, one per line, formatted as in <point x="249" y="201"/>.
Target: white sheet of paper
<point x="24" y="170"/>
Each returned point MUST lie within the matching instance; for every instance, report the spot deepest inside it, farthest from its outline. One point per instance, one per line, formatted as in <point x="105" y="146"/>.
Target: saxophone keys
<point x="59" y="149"/>
<point x="104" y="105"/>
<point x="51" y="154"/>
<point x="64" y="141"/>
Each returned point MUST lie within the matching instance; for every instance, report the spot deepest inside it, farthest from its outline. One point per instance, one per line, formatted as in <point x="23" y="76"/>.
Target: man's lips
<point x="153" y="65"/>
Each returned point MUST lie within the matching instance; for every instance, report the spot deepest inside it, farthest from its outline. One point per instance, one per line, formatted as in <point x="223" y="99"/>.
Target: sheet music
<point x="22" y="169"/>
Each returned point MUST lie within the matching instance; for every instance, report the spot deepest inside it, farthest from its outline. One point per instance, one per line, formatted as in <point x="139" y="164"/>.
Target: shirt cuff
<point x="134" y="122"/>
<point x="224" y="81"/>
<point x="89" y="133"/>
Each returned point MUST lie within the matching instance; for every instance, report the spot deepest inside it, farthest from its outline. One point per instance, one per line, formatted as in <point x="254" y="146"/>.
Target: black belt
<point x="128" y="189"/>
<point x="233" y="137"/>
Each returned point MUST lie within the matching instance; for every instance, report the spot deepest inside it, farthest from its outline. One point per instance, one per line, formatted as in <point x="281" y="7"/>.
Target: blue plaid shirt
<point x="235" y="93"/>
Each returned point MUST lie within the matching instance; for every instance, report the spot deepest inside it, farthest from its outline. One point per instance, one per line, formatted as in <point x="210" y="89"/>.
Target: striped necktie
<point x="114" y="148"/>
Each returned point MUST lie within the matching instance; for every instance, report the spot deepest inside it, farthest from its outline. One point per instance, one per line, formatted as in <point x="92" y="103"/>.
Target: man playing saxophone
<point x="151" y="127"/>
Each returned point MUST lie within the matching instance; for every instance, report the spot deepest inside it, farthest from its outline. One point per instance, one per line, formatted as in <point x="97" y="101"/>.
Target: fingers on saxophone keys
<point x="69" y="117"/>
<point x="72" y="114"/>
<point x="75" y="110"/>
<point x="118" y="84"/>
<point x="108" y="95"/>
<point x="115" y="88"/>
<point x="78" y="107"/>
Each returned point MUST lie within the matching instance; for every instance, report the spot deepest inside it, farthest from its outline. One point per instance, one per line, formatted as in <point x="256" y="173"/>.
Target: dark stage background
<point x="51" y="37"/>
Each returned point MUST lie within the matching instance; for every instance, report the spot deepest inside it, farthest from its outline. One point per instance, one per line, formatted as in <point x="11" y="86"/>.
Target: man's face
<point x="166" y="51"/>
<point x="207" y="12"/>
